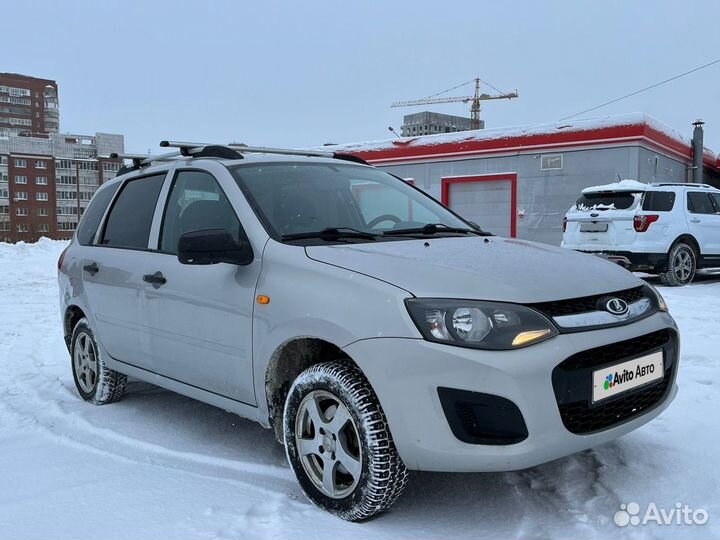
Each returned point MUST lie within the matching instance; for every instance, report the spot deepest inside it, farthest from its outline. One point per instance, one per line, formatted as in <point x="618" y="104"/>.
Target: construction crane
<point x="475" y="100"/>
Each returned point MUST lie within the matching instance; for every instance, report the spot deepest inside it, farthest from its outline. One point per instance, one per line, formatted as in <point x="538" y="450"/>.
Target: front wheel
<point x="338" y="442"/>
<point x="681" y="266"/>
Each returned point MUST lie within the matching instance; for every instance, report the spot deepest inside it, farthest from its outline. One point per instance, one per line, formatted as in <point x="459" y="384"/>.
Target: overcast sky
<point x="305" y="73"/>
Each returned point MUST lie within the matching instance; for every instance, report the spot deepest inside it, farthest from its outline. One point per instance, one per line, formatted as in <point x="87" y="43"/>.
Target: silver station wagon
<point x="371" y="328"/>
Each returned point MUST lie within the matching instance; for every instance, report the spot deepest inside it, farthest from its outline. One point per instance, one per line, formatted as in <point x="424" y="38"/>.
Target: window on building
<point x="128" y="224"/>
<point x="95" y="211"/>
<point x="66" y="225"/>
<point x="41" y="196"/>
<point x="43" y="212"/>
<point x="21" y="179"/>
<point x="3" y="160"/>
<point x="551" y="162"/>
<point x="5" y="226"/>
<point x="43" y="227"/>
<point x="21" y="211"/>
<point x="4" y="209"/>
<point x="700" y="203"/>
<point x="41" y="180"/>
<point x="23" y="227"/>
<point x="64" y="164"/>
<point x="67" y="180"/>
<point x="4" y="193"/>
<point x="41" y="164"/>
<point x="21" y="163"/>
<point x="21" y="195"/>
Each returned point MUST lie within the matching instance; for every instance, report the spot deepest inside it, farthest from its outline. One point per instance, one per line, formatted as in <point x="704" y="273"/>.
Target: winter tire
<point x="681" y="266"/>
<point x="95" y="382"/>
<point x="338" y="442"/>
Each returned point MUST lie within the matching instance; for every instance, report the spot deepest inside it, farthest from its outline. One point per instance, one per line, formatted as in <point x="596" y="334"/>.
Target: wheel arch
<point x="73" y="314"/>
<point x="289" y="360"/>
<point x="689" y="239"/>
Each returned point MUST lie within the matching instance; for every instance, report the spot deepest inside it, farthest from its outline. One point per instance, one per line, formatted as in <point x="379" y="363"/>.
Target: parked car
<point x="666" y="229"/>
<point x="371" y="328"/>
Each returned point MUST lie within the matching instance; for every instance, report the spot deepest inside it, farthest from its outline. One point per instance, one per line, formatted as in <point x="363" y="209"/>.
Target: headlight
<point x="478" y="324"/>
<point x="653" y="293"/>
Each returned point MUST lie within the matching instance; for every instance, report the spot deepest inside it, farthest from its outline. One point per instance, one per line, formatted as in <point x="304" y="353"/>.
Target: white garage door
<point x="487" y="203"/>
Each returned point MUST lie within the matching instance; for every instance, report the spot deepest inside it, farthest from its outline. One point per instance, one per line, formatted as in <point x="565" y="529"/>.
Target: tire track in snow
<point x="33" y="393"/>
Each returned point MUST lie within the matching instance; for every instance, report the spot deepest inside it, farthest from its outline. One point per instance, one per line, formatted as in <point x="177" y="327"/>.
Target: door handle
<point x="156" y="279"/>
<point x="91" y="269"/>
<point x="695" y="220"/>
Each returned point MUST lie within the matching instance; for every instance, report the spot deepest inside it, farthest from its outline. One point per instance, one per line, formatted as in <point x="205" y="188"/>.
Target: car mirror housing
<point x="212" y="246"/>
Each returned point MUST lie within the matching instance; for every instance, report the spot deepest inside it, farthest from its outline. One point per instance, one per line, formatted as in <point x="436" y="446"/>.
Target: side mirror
<point x="212" y="246"/>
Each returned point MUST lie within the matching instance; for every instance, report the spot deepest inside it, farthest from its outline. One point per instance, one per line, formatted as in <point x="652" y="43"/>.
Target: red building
<point x="28" y="105"/>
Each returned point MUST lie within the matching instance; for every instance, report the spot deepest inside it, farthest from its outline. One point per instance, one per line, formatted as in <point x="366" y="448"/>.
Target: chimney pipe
<point x="697" y="150"/>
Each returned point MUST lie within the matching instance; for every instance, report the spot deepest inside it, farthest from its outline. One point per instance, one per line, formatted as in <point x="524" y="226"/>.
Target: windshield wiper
<point x="433" y="228"/>
<point x="331" y="233"/>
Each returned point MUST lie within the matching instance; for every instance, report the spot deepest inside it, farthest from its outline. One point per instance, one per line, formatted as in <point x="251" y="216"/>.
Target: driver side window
<point x="196" y="202"/>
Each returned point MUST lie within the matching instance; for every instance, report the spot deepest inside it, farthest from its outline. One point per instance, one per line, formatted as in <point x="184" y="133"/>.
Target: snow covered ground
<point x="158" y="465"/>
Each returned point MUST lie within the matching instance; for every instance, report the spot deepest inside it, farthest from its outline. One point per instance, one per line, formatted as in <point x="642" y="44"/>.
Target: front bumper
<point x="406" y="375"/>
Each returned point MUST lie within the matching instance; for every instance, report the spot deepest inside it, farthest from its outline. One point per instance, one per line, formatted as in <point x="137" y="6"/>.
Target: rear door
<point x="704" y="222"/>
<point x="602" y="220"/>
<point x="200" y="319"/>
<point x="112" y="270"/>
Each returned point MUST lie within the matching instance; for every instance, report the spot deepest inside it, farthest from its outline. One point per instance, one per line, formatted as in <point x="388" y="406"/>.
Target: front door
<point x="200" y="319"/>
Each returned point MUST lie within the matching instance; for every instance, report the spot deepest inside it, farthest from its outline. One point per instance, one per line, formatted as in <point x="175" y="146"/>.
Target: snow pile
<point x="158" y="465"/>
<point x="622" y="185"/>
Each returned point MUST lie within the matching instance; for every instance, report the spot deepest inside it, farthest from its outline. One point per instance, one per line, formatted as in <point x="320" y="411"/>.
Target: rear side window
<point x="700" y="203"/>
<point x="606" y="200"/>
<point x="128" y="224"/>
<point x="658" y="201"/>
<point x="94" y="213"/>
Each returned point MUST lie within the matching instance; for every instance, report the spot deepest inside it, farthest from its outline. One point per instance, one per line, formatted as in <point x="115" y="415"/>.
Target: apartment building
<point x="46" y="182"/>
<point x="28" y="105"/>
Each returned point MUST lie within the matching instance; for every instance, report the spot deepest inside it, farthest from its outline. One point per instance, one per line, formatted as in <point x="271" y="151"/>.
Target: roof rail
<point x="143" y="160"/>
<point x="190" y="148"/>
<point x="682" y="184"/>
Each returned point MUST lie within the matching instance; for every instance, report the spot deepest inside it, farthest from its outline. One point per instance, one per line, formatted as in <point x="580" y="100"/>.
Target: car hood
<point x="486" y="268"/>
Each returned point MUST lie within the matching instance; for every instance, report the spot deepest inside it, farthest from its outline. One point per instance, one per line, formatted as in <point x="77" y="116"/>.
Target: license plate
<point x="593" y="227"/>
<point x="614" y="380"/>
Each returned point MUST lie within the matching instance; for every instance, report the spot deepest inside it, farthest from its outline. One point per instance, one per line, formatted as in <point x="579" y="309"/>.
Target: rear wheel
<point x="338" y="442"/>
<point x="681" y="266"/>
<point x="95" y="382"/>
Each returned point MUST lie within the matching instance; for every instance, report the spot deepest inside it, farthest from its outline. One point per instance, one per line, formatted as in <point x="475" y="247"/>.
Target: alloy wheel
<point x="85" y="363"/>
<point x="328" y="444"/>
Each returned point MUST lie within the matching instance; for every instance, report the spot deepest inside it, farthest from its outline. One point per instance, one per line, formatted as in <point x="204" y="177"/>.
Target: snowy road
<point x="158" y="465"/>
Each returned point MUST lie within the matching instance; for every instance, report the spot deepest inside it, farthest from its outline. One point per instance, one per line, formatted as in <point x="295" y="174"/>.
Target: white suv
<point x="665" y="229"/>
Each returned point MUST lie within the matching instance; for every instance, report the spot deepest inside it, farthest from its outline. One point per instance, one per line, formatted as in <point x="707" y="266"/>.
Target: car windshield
<point x="327" y="201"/>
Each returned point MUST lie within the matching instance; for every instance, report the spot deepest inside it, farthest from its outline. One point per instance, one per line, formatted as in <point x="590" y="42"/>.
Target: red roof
<point x="612" y="130"/>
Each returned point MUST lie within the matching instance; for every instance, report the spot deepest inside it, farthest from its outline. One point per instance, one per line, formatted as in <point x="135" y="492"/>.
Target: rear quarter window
<point x="94" y="213"/>
<point x="606" y="200"/>
<point x="658" y="201"/>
